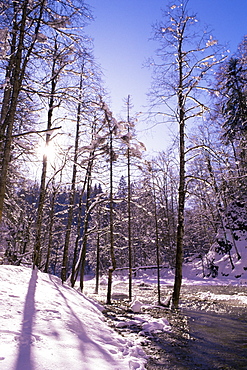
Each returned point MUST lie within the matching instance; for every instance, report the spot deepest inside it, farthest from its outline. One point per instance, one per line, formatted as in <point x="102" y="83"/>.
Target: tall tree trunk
<point x="74" y="273"/>
<point x="72" y="192"/>
<point x="42" y="191"/>
<point x="129" y="206"/>
<point x="10" y="99"/>
<point x="181" y="190"/>
<point x="75" y="266"/>
<point x="97" y="270"/>
<point x="157" y="241"/>
<point x="112" y="253"/>
<point x="78" y="260"/>
<point x="15" y="74"/>
<point x="42" y="194"/>
<point x="50" y="232"/>
<point x="86" y="224"/>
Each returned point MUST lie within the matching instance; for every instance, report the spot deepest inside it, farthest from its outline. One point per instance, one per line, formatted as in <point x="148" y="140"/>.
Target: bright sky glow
<point x="122" y="31"/>
<point x="50" y="150"/>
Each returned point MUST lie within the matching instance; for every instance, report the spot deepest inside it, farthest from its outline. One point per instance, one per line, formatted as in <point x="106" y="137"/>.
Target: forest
<point x="79" y="194"/>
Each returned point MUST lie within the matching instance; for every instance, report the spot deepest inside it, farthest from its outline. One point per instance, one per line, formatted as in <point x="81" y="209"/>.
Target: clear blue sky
<point x="122" y="30"/>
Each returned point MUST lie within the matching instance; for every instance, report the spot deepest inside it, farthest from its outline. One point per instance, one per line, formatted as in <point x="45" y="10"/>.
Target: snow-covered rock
<point x="136" y="306"/>
<point x="156" y="325"/>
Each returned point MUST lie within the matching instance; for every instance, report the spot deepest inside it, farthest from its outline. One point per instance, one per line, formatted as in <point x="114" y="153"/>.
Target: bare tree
<point x="73" y="184"/>
<point x="187" y="56"/>
<point x="20" y="50"/>
<point x="28" y="26"/>
<point x="111" y="124"/>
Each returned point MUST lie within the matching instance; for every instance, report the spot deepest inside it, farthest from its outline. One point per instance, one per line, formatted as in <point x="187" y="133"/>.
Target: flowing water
<point x="218" y="341"/>
<point x="209" y="332"/>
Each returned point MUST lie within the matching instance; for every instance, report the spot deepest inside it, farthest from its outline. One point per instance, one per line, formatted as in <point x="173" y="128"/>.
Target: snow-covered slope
<point x="49" y="326"/>
<point x="228" y="255"/>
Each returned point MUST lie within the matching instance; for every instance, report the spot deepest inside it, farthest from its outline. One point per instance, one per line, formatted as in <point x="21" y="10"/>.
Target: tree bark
<point x="181" y="190"/>
<point x="50" y="233"/>
<point x="129" y="206"/>
<point x="15" y="74"/>
<point x="72" y="192"/>
<point x="112" y="254"/>
<point x="42" y="192"/>
<point x="86" y="221"/>
<point x="97" y="264"/>
<point x="157" y="241"/>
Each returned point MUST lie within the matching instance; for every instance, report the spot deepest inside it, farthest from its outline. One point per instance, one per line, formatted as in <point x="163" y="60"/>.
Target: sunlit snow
<point x="47" y="326"/>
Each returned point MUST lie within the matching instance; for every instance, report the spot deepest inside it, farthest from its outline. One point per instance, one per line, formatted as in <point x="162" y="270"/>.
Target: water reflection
<point x="207" y="335"/>
<point x="218" y="341"/>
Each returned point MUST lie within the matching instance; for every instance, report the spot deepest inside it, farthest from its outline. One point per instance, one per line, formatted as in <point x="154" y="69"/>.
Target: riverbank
<point x="208" y="332"/>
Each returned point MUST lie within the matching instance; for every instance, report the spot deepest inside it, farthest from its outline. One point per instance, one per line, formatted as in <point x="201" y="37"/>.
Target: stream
<point x="201" y="340"/>
<point x="209" y="331"/>
<point x="219" y="341"/>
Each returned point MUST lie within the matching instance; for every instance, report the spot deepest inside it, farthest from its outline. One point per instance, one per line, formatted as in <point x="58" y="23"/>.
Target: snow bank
<point x="46" y="325"/>
<point x="228" y="255"/>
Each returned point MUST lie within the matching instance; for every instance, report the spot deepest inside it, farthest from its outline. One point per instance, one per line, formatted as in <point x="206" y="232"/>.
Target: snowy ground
<point x="145" y="287"/>
<point x="47" y="326"/>
<point x="209" y="332"/>
<point x="215" y="294"/>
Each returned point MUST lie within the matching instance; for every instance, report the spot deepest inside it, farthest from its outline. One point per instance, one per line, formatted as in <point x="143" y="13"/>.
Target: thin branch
<point x="36" y="132"/>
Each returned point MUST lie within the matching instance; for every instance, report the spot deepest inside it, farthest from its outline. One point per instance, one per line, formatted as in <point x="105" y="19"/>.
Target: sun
<point x="47" y="150"/>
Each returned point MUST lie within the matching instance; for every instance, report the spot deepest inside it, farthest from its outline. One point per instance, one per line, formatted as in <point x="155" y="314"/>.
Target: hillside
<point x="46" y="325"/>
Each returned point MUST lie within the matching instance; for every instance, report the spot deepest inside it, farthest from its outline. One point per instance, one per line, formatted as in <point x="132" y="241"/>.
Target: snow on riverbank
<point x="46" y="325"/>
<point x="145" y="289"/>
